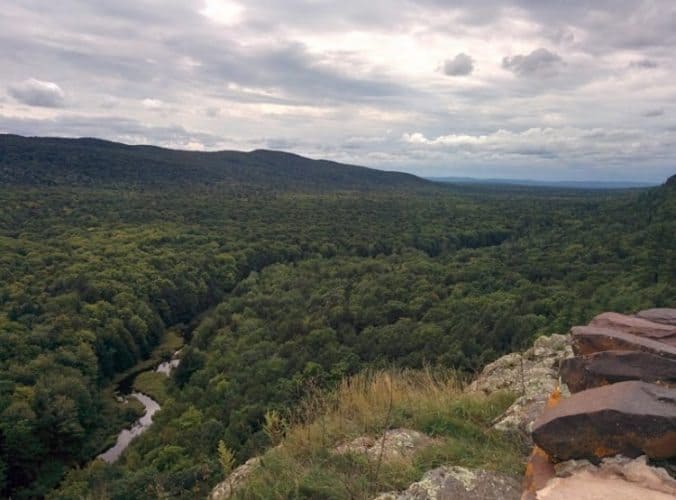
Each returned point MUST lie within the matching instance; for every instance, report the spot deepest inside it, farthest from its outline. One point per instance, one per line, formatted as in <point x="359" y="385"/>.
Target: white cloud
<point x="568" y="144"/>
<point x="445" y="140"/>
<point x="152" y="104"/>
<point x="223" y="11"/>
<point x="109" y="102"/>
<point x="36" y="92"/>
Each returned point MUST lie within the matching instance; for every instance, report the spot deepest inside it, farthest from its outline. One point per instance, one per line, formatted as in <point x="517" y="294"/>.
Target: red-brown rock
<point x="628" y="418"/>
<point x="616" y="478"/>
<point x="662" y="315"/>
<point x="539" y="471"/>
<point x="637" y="326"/>
<point x="608" y="367"/>
<point x="591" y="339"/>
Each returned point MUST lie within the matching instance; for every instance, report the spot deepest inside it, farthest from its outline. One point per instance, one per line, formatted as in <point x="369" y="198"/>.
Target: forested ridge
<point x="295" y="286"/>
<point x="41" y="161"/>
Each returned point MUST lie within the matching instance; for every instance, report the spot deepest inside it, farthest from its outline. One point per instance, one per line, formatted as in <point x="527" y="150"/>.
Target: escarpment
<point x="615" y="435"/>
<point x="597" y="407"/>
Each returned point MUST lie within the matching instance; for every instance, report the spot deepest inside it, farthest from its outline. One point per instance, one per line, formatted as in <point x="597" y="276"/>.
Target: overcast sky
<point x="529" y="89"/>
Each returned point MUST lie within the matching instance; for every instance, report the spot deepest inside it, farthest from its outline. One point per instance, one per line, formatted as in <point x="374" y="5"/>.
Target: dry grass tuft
<point x="360" y="405"/>
<point x="429" y="401"/>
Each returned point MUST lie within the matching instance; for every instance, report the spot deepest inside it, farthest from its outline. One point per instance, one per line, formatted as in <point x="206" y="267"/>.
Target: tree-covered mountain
<point x="42" y="161"/>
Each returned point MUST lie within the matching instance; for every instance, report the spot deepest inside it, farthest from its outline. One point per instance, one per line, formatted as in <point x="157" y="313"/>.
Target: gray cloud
<point x="288" y="69"/>
<point x="460" y="65"/>
<point x="112" y="127"/>
<point x="540" y="62"/>
<point x="602" y="148"/>
<point x="643" y="64"/>
<point x="37" y="93"/>
<point x="315" y="76"/>
<point x="652" y="113"/>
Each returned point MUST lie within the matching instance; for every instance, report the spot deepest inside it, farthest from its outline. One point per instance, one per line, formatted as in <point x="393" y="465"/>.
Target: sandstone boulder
<point x="532" y="375"/>
<point x="662" y="315"/>
<point x="459" y="483"/>
<point x="629" y="418"/>
<point x="539" y="471"/>
<point x="607" y="367"/>
<point x="618" y="478"/>
<point x="637" y="326"/>
<point x="591" y="339"/>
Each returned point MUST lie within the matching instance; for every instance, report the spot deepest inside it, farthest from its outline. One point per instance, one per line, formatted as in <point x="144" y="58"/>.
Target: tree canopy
<point x="278" y="290"/>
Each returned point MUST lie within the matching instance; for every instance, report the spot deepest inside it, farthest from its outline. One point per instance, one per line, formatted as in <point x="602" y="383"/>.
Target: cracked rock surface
<point x="533" y="375"/>
<point x="393" y="444"/>
<point x="459" y="483"/>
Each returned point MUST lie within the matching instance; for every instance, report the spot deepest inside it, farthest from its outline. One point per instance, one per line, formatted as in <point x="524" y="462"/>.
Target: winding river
<point x="139" y="427"/>
<point x="142" y="424"/>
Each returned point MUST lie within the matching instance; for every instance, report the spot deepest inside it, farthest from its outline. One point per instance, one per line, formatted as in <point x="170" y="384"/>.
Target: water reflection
<point x="139" y="427"/>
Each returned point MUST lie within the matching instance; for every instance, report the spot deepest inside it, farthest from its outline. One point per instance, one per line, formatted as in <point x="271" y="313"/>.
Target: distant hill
<point x="93" y="162"/>
<point x="554" y="184"/>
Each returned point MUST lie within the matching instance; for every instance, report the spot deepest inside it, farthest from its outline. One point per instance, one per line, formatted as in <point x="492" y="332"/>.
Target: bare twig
<point x="523" y="375"/>
<point x="386" y="426"/>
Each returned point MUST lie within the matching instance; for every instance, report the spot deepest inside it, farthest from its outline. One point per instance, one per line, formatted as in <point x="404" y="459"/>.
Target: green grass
<point x="305" y="467"/>
<point x="152" y="384"/>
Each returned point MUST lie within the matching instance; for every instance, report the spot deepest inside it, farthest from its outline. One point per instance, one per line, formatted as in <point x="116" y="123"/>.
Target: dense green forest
<point x="279" y="283"/>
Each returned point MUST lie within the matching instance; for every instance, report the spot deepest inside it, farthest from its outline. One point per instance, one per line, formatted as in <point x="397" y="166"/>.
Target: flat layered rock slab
<point x="617" y="478"/>
<point x="628" y="418"/>
<point x="589" y="486"/>
<point x="636" y="326"/>
<point x="662" y="315"/>
<point x="591" y="339"/>
<point x="608" y="367"/>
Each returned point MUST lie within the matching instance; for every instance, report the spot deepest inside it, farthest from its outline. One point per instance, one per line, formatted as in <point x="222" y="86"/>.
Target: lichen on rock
<point x="533" y="375"/>
<point x="459" y="483"/>
<point x="393" y="444"/>
<point x="235" y="480"/>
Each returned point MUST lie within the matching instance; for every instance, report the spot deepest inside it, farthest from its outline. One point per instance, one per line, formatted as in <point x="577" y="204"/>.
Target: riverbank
<point x="120" y="413"/>
<point x="132" y="410"/>
<point x="153" y="384"/>
<point x="140" y="426"/>
<point x="173" y="341"/>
